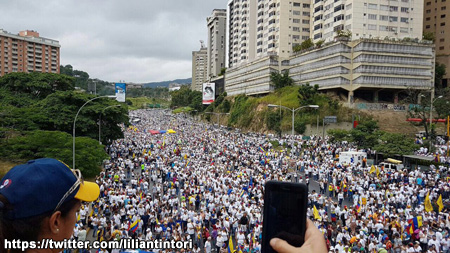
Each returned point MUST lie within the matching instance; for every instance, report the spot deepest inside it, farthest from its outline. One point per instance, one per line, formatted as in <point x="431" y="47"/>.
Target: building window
<point x="442" y="40"/>
<point x="443" y="16"/>
<point x="405" y="10"/>
<point x="372" y="27"/>
<point x="296" y="4"/>
<point x="306" y="6"/>
<point x="296" y="29"/>
<point x="296" y="13"/>
<point x="373" y="16"/>
<point x="384" y="7"/>
<point x="305" y="29"/>
<point x="427" y="19"/>
<point x="296" y="21"/>
<point x="383" y="28"/>
<point x="348" y="7"/>
<point x="384" y="18"/>
<point x="404" y="20"/>
<point x="404" y="29"/>
<point x="428" y="11"/>
<point x="443" y="8"/>
<point x="305" y="21"/>
<point x="373" y="6"/>
<point x="443" y="24"/>
<point x="428" y="3"/>
<point x="393" y="19"/>
<point x="349" y="17"/>
<point x="441" y="48"/>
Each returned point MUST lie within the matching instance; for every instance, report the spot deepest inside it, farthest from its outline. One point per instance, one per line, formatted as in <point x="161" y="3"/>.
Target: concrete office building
<point x="199" y="68"/>
<point x="437" y="21"/>
<point x="366" y="68"/>
<point x="260" y="28"/>
<point x="27" y="52"/>
<point x="367" y="19"/>
<point x="217" y="24"/>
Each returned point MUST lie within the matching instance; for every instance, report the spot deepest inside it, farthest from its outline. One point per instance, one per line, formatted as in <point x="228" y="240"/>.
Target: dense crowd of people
<point x="206" y="184"/>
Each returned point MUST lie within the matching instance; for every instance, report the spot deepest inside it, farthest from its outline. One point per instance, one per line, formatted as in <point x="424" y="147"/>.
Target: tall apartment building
<point x="437" y="20"/>
<point x="367" y="19"/>
<point x="217" y="24"/>
<point x="260" y="28"/>
<point x="199" y="68"/>
<point x="27" y="52"/>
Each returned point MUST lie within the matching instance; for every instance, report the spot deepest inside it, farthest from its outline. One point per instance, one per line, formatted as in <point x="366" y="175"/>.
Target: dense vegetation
<point x="37" y="113"/>
<point x="367" y="135"/>
<point x="82" y="80"/>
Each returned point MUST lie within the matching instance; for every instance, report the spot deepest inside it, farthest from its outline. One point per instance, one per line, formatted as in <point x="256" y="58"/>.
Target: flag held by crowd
<point x="427" y="203"/>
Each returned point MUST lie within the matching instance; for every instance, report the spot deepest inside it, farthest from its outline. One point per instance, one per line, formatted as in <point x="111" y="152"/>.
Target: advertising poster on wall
<point x="209" y="93"/>
<point x="121" y="89"/>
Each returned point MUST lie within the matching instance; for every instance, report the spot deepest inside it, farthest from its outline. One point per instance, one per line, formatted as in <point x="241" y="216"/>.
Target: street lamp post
<point x="431" y="114"/>
<point x="100" y="123"/>
<point x="75" y="120"/>
<point x="293" y="111"/>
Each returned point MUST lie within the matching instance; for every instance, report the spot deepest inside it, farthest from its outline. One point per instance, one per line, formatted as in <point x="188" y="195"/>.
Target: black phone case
<point x="283" y="187"/>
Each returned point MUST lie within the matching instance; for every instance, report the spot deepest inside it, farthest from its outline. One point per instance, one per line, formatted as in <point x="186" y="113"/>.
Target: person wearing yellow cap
<point x="39" y="200"/>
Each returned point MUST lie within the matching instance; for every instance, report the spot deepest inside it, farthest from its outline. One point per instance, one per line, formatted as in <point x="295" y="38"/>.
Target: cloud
<point x="136" y="40"/>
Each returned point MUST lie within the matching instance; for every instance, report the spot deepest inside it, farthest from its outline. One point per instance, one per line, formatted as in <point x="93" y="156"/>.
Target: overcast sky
<point x="131" y="40"/>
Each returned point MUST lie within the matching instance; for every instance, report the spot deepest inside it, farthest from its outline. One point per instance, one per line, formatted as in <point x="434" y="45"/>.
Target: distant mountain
<point x="166" y="83"/>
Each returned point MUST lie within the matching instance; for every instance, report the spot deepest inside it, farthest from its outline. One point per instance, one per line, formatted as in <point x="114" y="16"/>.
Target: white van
<point x="392" y="164"/>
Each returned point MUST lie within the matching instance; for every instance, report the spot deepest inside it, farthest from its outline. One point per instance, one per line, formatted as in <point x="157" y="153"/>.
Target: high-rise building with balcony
<point x="216" y="42"/>
<point x="366" y="19"/>
<point x="260" y="28"/>
<point x="27" y="52"/>
<point x="437" y="21"/>
<point x="199" y="68"/>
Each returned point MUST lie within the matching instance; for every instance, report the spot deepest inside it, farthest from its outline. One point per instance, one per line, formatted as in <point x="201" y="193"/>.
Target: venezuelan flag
<point x="415" y="223"/>
<point x="262" y="150"/>
<point x="230" y="246"/>
<point x="358" y="207"/>
<point x="134" y="226"/>
<point x="242" y="193"/>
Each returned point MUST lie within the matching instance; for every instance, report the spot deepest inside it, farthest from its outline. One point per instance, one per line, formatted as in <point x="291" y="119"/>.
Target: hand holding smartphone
<point x="284" y="213"/>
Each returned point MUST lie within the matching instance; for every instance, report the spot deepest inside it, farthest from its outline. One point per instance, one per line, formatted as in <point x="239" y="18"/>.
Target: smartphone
<point x="284" y="213"/>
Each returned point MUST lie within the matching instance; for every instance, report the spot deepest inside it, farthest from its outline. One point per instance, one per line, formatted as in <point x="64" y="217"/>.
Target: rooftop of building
<point x="30" y="36"/>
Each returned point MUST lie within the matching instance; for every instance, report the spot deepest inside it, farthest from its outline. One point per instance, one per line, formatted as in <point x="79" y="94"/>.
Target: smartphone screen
<point x="284" y="213"/>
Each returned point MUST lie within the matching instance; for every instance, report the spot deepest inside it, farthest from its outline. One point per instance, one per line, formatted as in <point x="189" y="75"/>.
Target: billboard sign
<point x="121" y="89"/>
<point x="209" y="93"/>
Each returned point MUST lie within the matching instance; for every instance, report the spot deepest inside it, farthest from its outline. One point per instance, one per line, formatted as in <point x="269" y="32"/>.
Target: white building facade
<point x="366" y="19"/>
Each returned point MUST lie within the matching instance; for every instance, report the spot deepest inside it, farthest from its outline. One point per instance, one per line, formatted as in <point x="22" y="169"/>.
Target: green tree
<point x="36" y="85"/>
<point x="281" y="80"/>
<point x="429" y="36"/>
<point x="395" y="144"/>
<point x="420" y="108"/>
<point x="299" y="125"/>
<point x="58" y="145"/>
<point x="306" y="44"/>
<point x="339" y="135"/>
<point x="60" y="108"/>
<point x="439" y="73"/>
<point x="320" y="43"/>
<point x="307" y="94"/>
<point x="366" y="134"/>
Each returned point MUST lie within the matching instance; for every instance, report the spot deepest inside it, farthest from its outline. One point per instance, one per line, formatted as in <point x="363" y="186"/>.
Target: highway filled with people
<point x="173" y="177"/>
